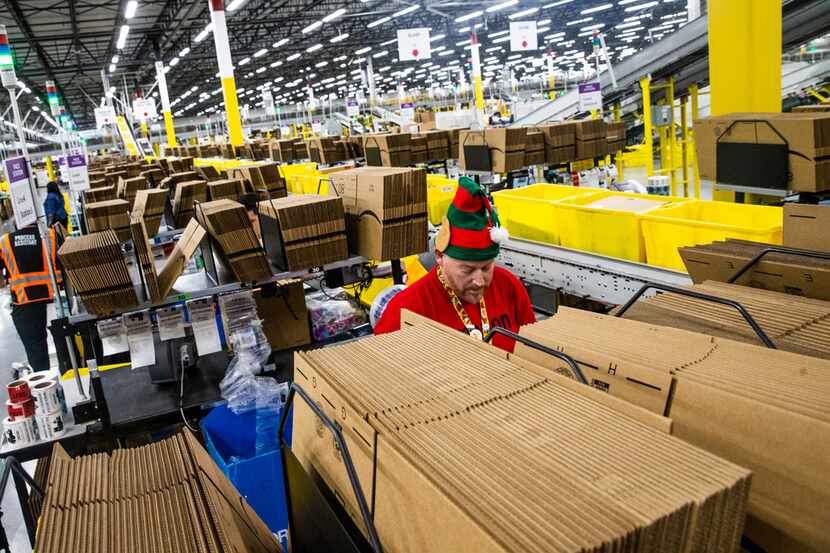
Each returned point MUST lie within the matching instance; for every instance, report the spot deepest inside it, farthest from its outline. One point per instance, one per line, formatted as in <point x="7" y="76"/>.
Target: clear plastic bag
<point x="330" y="318"/>
<point x="239" y="386"/>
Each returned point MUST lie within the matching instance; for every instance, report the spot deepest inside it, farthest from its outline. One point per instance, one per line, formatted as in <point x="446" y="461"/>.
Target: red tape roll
<point x="17" y="410"/>
<point x="19" y="391"/>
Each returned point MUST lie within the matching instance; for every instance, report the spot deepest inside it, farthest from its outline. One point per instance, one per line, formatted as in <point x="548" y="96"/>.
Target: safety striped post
<point x="223" y="57"/>
<point x="161" y="79"/>
<point x="478" y="89"/>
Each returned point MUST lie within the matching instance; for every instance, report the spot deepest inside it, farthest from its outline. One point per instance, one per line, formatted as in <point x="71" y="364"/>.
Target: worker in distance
<point x="466" y="290"/>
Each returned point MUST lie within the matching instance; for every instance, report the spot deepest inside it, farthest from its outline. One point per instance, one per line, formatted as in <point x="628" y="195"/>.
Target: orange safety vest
<point x="21" y="282"/>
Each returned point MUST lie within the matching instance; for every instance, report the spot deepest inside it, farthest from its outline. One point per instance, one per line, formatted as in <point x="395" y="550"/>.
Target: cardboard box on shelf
<point x="558" y="135"/>
<point x="109" y="214"/>
<point x="149" y="206"/>
<point x="261" y="178"/>
<point x="99" y="194"/>
<point x="772" y="410"/>
<point x="560" y="155"/>
<point x="419" y="149"/>
<point x="506" y="149"/>
<point x="231" y="189"/>
<point x="615" y="136"/>
<point x="285" y="316"/>
<point x="127" y="188"/>
<point x="589" y="149"/>
<point x="425" y="120"/>
<point x="187" y="195"/>
<point x="471" y="442"/>
<point x="386" y="211"/>
<point x="303" y="231"/>
<point x="807" y="136"/>
<point x="535" y="150"/>
<point x="229" y="226"/>
<point x="438" y="145"/>
<point x="388" y="150"/>
<point x="806" y="227"/>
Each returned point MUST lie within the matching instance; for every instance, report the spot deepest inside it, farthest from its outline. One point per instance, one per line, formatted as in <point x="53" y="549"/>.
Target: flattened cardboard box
<point x="285" y="315"/>
<point x="807" y="227"/>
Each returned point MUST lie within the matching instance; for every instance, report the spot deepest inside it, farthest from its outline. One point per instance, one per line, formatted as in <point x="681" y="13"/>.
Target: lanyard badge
<point x="462" y="313"/>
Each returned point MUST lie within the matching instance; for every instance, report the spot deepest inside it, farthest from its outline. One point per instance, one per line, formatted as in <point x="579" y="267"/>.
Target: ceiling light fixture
<point x="469" y="16"/>
<point x="639" y="7"/>
<point x="314" y="48"/>
<point x="130" y="9"/>
<point x="313" y="27"/>
<point x="235" y="5"/>
<point x="597" y="9"/>
<point x="523" y="13"/>
<point x="377" y="22"/>
<point x="501" y="6"/>
<point x="334" y="15"/>
<point x="261" y="52"/>
<point x="122" y="37"/>
<point x="339" y="38"/>
<point x="410" y="9"/>
<point x="363" y="51"/>
<point x="292" y="57"/>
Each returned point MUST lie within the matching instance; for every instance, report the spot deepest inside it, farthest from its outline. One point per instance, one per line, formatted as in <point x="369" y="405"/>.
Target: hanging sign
<point x="17" y="173"/>
<point x="408" y="111"/>
<point x="413" y="44"/>
<point x="104" y="116"/>
<point x="144" y="109"/>
<point x="590" y="96"/>
<point x="268" y="102"/>
<point x="523" y="36"/>
<point x="78" y="174"/>
<point x="352" y="108"/>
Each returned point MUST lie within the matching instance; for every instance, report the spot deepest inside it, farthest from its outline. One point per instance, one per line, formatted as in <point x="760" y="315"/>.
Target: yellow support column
<point x="165" y="104"/>
<point x="619" y="157"/>
<point x="50" y="169"/>
<point x="645" y="85"/>
<point x="693" y="92"/>
<point x="478" y="89"/>
<point x="223" y="56"/>
<point x="684" y="129"/>
<point x="551" y="77"/>
<point x="745" y="64"/>
<point x="672" y="136"/>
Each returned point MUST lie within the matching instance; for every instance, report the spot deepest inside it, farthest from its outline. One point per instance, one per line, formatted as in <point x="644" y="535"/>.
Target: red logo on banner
<point x="415" y="53"/>
<point x="524" y="44"/>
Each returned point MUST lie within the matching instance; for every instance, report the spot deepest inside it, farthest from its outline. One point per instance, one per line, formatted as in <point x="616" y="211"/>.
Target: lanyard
<point x="462" y="313"/>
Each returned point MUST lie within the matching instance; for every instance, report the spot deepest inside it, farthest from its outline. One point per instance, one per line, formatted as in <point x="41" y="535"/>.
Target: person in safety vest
<point x="466" y="290"/>
<point x="23" y="263"/>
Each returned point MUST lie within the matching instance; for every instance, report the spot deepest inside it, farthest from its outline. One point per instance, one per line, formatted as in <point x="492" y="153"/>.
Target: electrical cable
<point x="181" y="393"/>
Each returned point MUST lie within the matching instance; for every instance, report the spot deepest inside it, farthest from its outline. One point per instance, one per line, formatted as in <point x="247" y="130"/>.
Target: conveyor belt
<point x="587" y="275"/>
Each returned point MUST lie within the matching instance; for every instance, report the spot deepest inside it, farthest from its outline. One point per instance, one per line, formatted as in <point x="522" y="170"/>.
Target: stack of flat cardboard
<point x="231" y="189"/>
<point x="211" y="173"/>
<point x="127" y="188"/>
<point x="807" y="137"/>
<point x="590" y="138"/>
<point x="170" y="183"/>
<point x="153" y="175"/>
<point x="188" y="193"/>
<point x="560" y="142"/>
<point x="790" y="274"/>
<point x="419" y="153"/>
<point x="767" y="410"/>
<point x="300" y="149"/>
<point x="209" y="150"/>
<point x="386" y="212"/>
<point x="228" y="223"/>
<point x="159" y="284"/>
<point x="325" y="150"/>
<point x="388" y="150"/>
<point x="99" y="194"/>
<point x="535" y="152"/>
<point x="308" y="231"/>
<point x="281" y="306"/>
<point x="506" y="148"/>
<point x="793" y="323"/>
<point x="504" y="456"/>
<point x="109" y="214"/>
<point x="265" y="179"/>
<point x="149" y="205"/>
<point x="164" y="496"/>
<point x="355" y="146"/>
<point x="438" y="145"/>
<point x="113" y="175"/>
<point x="95" y="267"/>
<point x="805" y="227"/>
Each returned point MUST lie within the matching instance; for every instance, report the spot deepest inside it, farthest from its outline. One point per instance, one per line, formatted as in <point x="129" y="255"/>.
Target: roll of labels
<point x="35" y="408"/>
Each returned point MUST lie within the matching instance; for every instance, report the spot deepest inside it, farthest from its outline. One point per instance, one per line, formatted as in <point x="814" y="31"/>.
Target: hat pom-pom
<point x="499" y="235"/>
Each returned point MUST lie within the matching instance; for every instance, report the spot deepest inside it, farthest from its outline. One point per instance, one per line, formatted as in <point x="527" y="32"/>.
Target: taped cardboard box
<point x="470" y="444"/>
<point x="284" y="314"/>
<point x="768" y="410"/>
<point x="303" y="231"/>
<point x="806" y="227"/>
<point x="425" y="120"/>
<point x="388" y="150"/>
<point x="165" y="496"/>
<point x="109" y="214"/>
<point x="807" y="136"/>
<point x="790" y="274"/>
<point x="386" y="211"/>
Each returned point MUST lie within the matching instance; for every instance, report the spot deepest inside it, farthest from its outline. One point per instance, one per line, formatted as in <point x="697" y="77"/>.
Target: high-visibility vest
<point x="24" y="284"/>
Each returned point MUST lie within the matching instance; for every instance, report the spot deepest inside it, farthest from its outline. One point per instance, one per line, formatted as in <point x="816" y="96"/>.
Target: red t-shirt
<point x="508" y="306"/>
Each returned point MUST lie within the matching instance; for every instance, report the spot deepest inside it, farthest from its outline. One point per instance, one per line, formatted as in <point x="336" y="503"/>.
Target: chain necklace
<point x="462" y="313"/>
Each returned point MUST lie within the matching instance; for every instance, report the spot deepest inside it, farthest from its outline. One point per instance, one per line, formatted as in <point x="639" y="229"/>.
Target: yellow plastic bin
<point x="703" y="222"/>
<point x="608" y="223"/>
<point x="531" y="212"/>
<point x="439" y="199"/>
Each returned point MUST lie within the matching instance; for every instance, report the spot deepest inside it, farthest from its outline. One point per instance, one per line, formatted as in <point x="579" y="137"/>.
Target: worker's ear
<point x="439" y="258"/>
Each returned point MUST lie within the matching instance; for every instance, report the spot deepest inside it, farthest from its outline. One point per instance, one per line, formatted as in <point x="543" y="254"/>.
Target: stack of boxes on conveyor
<point x="149" y="206"/>
<point x="263" y="179"/>
<point x="419" y="152"/>
<point x="95" y="267"/>
<point x="764" y="409"/>
<point x="187" y="195"/>
<point x="388" y="150"/>
<point x="303" y="231"/>
<point x="109" y="214"/>
<point x="438" y="145"/>
<point x="386" y="210"/>
<point x="614" y="137"/>
<point x="164" y="496"/>
<point x="500" y="150"/>
<point x="230" y="189"/>
<point x="803" y="138"/>
<point x="327" y="150"/>
<point x="283" y="150"/>
<point x="590" y="138"/>
<point x="535" y="150"/>
<point x="229" y="226"/>
<point x="507" y="456"/>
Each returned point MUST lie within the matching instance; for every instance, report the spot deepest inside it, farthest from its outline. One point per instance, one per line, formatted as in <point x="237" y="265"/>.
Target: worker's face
<point x="468" y="279"/>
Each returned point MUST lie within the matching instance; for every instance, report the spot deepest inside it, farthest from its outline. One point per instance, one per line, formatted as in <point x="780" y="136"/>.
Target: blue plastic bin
<point x="231" y="441"/>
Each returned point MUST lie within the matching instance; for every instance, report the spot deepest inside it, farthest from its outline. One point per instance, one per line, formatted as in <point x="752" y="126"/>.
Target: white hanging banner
<point x="414" y="45"/>
<point x="408" y="111"/>
<point x="523" y="36"/>
<point x="590" y="96"/>
<point x="144" y="109"/>
<point x="352" y="108"/>
<point x="268" y="102"/>
<point x="104" y="116"/>
<point x="17" y="173"/>
<point x="78" y="173"/>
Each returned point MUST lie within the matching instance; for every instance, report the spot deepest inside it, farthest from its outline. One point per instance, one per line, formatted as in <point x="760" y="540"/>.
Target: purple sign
<point x="17" y="169"/>
<point x="77" y="160"/>
<point x="589" y="87"/>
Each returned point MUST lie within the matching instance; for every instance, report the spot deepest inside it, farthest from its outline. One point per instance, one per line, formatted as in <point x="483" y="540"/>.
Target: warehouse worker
<point x="23" y="263"/>
<point x="465" y="290"/>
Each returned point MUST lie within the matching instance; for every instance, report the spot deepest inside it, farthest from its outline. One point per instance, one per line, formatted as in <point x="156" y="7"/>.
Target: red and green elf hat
<point x="471" y="230"/>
